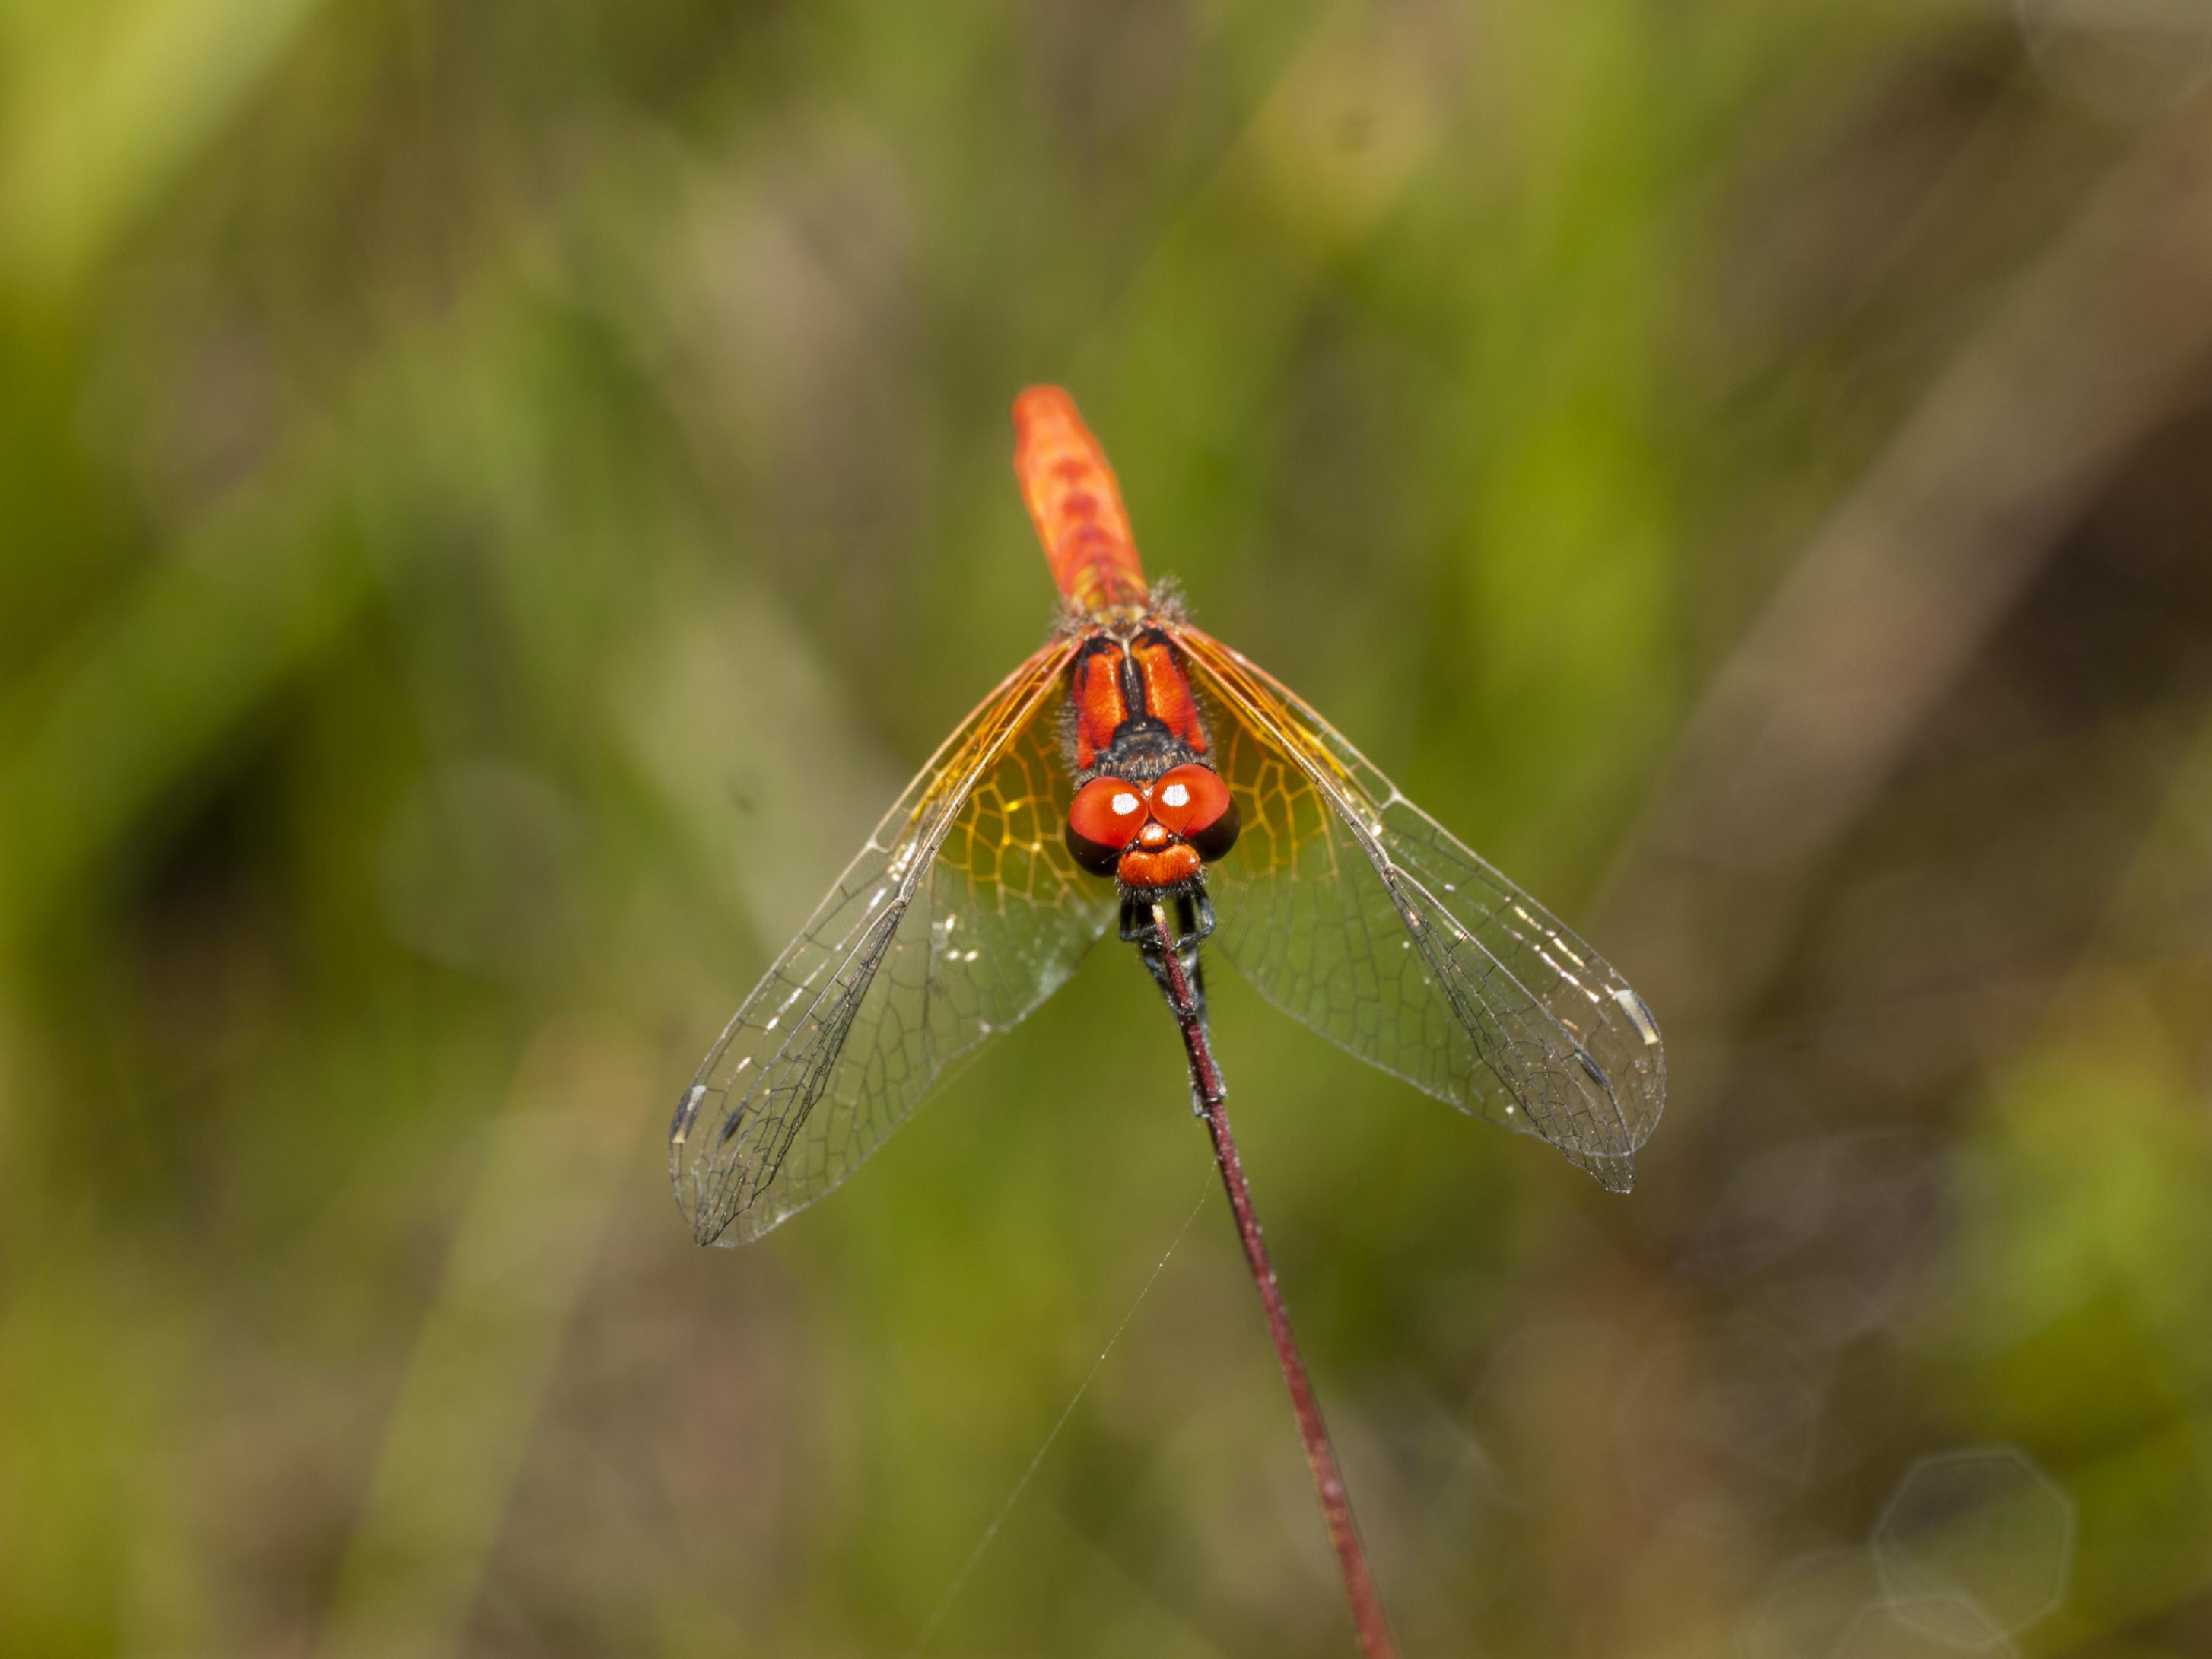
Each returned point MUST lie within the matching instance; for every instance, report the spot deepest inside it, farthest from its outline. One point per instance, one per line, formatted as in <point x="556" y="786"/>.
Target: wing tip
<point x="710" y="1224"/>
<point x="1615" y="1173"/>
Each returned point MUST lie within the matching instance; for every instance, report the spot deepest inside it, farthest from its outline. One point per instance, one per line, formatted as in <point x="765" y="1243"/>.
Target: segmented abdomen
<point x="1075" y="502"/>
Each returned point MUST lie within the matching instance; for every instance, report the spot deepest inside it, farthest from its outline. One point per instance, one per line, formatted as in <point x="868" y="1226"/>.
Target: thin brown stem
<point x="1368" y="1618"/>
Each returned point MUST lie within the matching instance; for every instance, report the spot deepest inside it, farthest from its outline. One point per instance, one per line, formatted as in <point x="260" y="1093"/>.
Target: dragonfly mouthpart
<point x="1172" y="867"/>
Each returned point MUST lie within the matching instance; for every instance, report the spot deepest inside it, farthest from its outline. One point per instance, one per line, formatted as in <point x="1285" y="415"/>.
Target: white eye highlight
<point x="1124" y="803"/>
<point x="1176" y="794"/>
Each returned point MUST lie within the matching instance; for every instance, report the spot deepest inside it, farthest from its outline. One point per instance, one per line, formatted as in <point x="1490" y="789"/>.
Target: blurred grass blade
<point x="468" y="1401"/>
<point x="119" y="99"/>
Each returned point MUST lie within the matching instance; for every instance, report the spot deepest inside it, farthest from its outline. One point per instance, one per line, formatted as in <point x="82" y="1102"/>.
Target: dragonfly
<point x="1136" y="768"/>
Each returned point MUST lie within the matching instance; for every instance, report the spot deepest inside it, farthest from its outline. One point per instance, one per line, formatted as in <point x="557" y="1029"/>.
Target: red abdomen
<point x="1075" y="502"/>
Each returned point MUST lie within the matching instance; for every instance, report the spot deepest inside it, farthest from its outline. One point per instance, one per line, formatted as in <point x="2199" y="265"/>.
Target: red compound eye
<point x="1194" y="803"/>
<point x="1103" y="820"/>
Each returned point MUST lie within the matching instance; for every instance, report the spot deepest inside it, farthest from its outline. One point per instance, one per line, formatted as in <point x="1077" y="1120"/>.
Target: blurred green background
<point x="496" y="497"/>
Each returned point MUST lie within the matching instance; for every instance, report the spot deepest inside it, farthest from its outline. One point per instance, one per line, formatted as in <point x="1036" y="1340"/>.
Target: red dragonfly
<point x="1133" y="762"/>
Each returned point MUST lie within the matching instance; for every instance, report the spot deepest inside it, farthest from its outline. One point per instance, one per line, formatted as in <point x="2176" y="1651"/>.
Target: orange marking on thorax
<point x="1075" y="503"/>
<point x="1167" y="692"/>
<point x="1101" y="706"/>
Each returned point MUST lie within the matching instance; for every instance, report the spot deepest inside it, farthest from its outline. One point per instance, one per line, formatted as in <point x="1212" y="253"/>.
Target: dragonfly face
<point x="1223" y="807"/>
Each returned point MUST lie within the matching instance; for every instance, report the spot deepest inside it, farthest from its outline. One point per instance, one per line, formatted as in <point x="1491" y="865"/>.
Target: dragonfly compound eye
<point x="1105" y="818"/>
<point x="1194" y="802"/>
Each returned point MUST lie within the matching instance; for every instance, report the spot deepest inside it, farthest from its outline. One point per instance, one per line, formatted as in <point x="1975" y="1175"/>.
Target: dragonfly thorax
<point x="1131" y="707"/>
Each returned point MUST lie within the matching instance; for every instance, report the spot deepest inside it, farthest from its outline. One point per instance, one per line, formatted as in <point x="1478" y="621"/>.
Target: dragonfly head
<point x="1152" y="835"/>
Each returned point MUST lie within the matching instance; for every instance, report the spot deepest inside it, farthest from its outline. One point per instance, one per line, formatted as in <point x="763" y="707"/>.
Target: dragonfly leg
<point x="1173" y="960"/>
<point x="1193" y="913"/>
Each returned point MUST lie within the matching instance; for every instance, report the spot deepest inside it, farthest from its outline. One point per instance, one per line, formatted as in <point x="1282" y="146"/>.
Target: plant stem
<point x="1368" y="1618"/>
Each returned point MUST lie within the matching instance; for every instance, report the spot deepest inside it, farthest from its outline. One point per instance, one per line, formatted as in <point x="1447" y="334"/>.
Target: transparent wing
<point x="962" y="914"/>
<point x="1355" y="911"/>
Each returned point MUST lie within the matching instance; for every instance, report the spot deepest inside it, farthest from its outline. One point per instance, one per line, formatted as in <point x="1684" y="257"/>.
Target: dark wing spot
<point x="1596" y="1072"/>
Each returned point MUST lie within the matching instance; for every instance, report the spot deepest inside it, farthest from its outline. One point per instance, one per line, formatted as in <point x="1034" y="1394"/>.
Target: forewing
<point x="962" y="914"/>
<point x="1353" y="910"/>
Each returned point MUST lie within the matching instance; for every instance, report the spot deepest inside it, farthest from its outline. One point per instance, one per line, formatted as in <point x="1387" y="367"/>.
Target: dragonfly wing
<point x="1356" y="912"/>
<point x="962" y="914"/>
